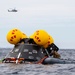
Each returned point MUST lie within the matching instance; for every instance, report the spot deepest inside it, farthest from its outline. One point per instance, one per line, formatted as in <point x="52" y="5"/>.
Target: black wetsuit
<point x="51" y="48"/>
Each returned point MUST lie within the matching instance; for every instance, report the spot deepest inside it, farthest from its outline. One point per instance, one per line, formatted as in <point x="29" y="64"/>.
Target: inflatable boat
<point x="25" y="53"/>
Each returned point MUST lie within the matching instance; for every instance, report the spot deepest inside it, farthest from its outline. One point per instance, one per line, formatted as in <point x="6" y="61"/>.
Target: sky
<point x="57" y="17"/>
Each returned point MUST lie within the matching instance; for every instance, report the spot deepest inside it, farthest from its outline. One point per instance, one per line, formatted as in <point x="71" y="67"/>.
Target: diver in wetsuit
<point x="52" y="50"/>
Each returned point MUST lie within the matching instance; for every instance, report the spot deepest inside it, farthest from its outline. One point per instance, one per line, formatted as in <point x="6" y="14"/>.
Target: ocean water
<point x="38" y="69"/>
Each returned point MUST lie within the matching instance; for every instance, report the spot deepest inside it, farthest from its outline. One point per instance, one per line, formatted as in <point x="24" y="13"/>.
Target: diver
<point x="52" y="50"/>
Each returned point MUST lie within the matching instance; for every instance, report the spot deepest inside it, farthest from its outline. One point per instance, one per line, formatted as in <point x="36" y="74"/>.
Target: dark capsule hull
<point x="27" y="52"/>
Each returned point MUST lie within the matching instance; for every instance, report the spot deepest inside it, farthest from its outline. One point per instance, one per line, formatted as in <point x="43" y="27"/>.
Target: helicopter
<point x="12" y="10"/>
